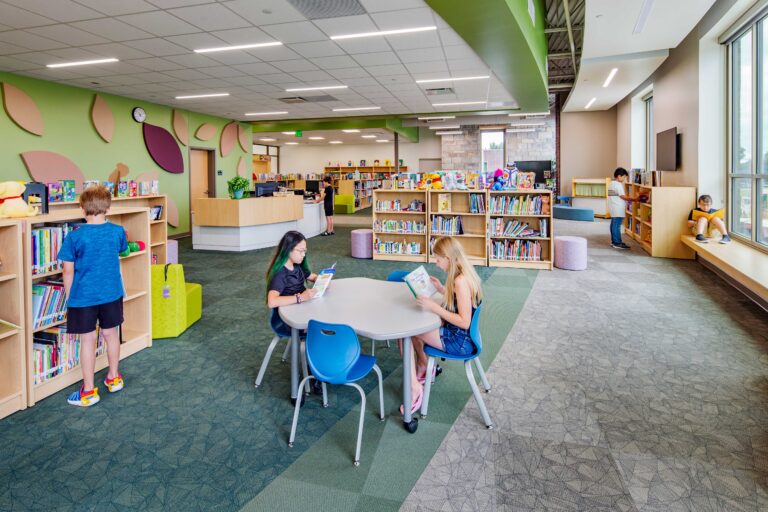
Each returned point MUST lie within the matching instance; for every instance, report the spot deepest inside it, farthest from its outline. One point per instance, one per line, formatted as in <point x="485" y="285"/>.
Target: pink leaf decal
<point x="228" y="136"/>
<point x="207" y="131"/>
<point x="244" y="137"/>
<point x="163" y="149"/>
<point x="102" y="118"/>
<point x="22" y="109"/>
<point x="180" y="127"/>
<point x="120" y="171"/>
<point x="173" y="213"/>
<point x="47" y="167"/>
<point x="242" y="168"/>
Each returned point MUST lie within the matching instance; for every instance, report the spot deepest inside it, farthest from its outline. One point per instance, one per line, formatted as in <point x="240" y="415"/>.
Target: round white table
<point x="379" y="310"/>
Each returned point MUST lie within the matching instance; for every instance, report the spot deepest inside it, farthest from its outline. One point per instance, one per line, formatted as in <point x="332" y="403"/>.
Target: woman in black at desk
<point x="326" y="197"/>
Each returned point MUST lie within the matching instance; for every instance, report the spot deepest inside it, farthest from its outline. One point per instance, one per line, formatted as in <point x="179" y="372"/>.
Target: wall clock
<point x="139" y="115"/>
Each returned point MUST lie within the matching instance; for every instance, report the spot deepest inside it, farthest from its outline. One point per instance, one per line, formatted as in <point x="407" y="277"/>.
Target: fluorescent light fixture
<point x="457" y="103"/>
<point x="355" y="108"/>
<point x="369" y="136"/>
<point x="452" y="127"/>
<point x="514" y="125"/>
<point x="351" y="131"/>
<point x="449" y="133"/>
<point x="327" y="87"/>
<point x="456" y="79"/>
<point x="642" y="19"/>
<point x="335" y="142"/>
<point x="385" y="32"/>
<point x="291" y="143"/>
<point x="382" y="140"/>
<point x="521" y="130"/>
<point x="529" y="114"/>
<point x="81" y="63"/>
<point x="279" y="113"/>
<point x="316" y="138"/>
<point x="288" y="133"/>
<point x="610" y="77"/>
<point x="435" y="118"/>
<point x="238" y="47"/>
<point x="590" y="102"/>
<point x="267" y="139"/>
<point x="195" y="96"/>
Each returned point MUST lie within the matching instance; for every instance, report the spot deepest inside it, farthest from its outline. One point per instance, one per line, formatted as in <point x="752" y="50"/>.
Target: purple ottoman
<point x="171" y="252"/>
<point x="570" y="253"/>
<point x="362" y="243"/>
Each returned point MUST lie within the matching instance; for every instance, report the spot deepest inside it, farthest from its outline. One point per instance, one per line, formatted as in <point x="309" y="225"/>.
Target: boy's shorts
<point x="83" y="320"/>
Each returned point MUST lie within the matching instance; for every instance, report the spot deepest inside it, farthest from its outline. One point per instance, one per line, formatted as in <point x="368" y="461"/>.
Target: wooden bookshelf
<point x="474" y="225"/>
<point x="361" y="189"/>
<point x="386" y="169"/>
<point x="136" y="332"/>
<point x="379" y="215"/>
<point x="658" y="222"/>
<point x="591" y="193"/>
<point x="13" y="362"/>
<point x="547" y="246"/>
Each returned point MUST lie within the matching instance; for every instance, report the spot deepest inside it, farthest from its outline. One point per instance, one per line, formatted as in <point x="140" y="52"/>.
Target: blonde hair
<point x="458" y="265"/>
<point x="95" y="200"/>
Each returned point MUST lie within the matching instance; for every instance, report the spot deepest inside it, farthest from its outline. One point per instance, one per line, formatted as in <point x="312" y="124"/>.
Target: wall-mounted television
<point x="667" y="150"/>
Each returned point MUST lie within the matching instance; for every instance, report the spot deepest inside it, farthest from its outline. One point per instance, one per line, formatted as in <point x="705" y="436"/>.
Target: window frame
<point x="650" y="146"/>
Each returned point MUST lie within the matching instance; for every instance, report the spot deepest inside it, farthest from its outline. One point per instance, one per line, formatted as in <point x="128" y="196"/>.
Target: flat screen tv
<point x="537" y="166"/>
<point x="666" y="150"/>
<point x="313" y="186"/>
<point x="266" y="189"/>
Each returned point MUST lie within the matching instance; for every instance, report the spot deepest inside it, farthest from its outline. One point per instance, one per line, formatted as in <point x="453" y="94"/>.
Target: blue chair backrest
<point x="397" y="276"/>
<point x="474" y="329"/>
<point x="278" y="326"/>
<point x="332" y="350"/>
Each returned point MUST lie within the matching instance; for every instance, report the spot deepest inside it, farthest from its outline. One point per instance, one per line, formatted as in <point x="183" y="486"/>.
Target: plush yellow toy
<point x="11" y="203"/>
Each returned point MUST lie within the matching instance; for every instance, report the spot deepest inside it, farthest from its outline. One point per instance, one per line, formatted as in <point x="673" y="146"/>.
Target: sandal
<point x="416" y="403"/>
<point x="422" y="378"/>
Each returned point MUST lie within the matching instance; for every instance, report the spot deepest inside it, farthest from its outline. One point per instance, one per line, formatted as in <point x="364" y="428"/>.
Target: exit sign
<point x="298" y="133"/>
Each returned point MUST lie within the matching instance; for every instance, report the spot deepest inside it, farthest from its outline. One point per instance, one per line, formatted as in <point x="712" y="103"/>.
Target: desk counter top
<point x="252" y="211"/>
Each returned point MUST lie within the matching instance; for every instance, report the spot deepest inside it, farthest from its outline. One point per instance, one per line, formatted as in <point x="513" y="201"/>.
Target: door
<point x="202" y="180"/>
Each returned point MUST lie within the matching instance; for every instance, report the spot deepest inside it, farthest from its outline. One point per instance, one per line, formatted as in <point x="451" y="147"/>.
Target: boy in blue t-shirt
<point x="94" y="287"/>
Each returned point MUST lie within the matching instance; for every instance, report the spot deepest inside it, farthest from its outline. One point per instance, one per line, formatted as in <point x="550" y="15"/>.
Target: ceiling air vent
<point x="440" y="91"/>
<point x="294" y="100"/>
<point x="314" y="10"/>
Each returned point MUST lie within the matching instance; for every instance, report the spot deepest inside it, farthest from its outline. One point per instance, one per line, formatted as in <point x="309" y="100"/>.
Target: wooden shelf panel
<point x="7" y="331"/>
<point x="47" y="274"/>
<point x="539" y="265"/>
<point x="133" y="294"/>
<point x="399" y="234"/>
<point x="540" y="238"/>
<point x="7" y="276"/>
<point x="133" y="255"/>
<point x="48" y="326"/>
<point x="458" y="213"/>
<point x="395" y="212"/>
<point x="518" y="215"/>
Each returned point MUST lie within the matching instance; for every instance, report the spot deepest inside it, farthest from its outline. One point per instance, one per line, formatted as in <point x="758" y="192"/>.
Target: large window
<point x="492" y="144"/>
<point x="748" y="133"/>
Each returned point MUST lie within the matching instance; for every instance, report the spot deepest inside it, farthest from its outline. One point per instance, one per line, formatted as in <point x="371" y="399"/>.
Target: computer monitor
<point x="266" y="189"/>
<point x="535" y="166"/>
<point x="313" y="186"/>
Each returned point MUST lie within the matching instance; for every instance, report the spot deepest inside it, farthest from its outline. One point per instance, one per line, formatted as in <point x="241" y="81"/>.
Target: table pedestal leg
<point x="409" y="422"/>
<point x="295" y="365"/>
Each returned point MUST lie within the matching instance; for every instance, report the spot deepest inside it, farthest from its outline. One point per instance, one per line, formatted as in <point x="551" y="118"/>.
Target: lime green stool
<point x="194" y="302"/>
<point x="176" y="304"/>
<point x="344" y="203"/>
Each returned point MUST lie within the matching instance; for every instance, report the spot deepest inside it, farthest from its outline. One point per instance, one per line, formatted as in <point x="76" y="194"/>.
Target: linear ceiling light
<point x="382" y="140"/>
<point x="335" y="142"/>
<point x="642" y="19"/>
<point x="291" y="143"/>
<point x="288" y="133"/>
<point x="296" y="89"/>
<point x="316" y="138"/>
<point x="195" y="96"/>
<point x="449" y="133"/>
<point x="81" y="63"/>
<point x="610" y="77"/>
<point x="456" y="103"/>
<point x="590" y="102"/>
<point x="369" y="136"/>
<point x="238" y="47"/>
<point x="355" y="108"/>
<point x="455" y="126"/>
<point x="529" y="114"/>
<point x="456" y="79"/>
<point x="268" y="140"/>
<point x="521" y="130"/>
<point x="435" y="118"/>
<point x="351" y="131"/>
<point x="385" y="32"/>
<point x="280" y="113"/>
<point x="514" y="125"/>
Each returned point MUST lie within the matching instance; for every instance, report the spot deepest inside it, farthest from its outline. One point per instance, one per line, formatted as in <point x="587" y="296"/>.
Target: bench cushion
<point x="569" y="213"/>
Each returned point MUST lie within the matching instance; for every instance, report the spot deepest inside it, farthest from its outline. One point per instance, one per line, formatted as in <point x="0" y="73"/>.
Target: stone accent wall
<point x="462" y="152"/>
<point x="536" y="145"/>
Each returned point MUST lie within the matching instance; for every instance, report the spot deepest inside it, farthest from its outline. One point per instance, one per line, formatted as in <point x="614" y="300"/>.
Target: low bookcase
<point x="13" y="362"/>
<point x="399" y="234"/>
<point x="525" y="207"/>
<point x="462" y="215"/>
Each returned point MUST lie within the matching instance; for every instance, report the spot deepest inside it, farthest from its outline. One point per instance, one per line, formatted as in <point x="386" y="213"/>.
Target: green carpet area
<point x="190" y="432"/>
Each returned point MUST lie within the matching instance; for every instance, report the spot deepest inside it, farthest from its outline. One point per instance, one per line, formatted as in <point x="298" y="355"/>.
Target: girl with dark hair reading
<point x="289" y="271"/>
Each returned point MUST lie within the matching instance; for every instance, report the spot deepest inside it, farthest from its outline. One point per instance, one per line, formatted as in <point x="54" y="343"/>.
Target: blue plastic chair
<point x="433" y="353"/>
<point x="333" y="352"/>
<point x="565" y="200"/>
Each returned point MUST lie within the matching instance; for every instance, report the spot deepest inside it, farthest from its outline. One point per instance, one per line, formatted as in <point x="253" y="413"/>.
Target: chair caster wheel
<point x="411" y="426"/>
<point x="290" y="445"/>
<point x="487" y="390"/>
<point x="489" y="427"/>
<point x="382" y="419"/>
<point x="325" y="405"/>
<point x="293" y="401"/>
<point x="438" y="370"/>
<point x="256" y="386"/>
<point x="356" y="463"/>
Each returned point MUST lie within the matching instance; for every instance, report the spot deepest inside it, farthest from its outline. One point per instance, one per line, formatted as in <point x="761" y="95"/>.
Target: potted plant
<point x="238" y="187"/>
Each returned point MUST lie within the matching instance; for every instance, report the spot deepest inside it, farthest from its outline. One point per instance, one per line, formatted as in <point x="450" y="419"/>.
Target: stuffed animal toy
<point x="545" y="206"/>
<point x="12" y="205"/>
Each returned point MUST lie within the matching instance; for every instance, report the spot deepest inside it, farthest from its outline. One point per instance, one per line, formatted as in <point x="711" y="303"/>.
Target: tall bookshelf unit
<point x="13" y="362"/>
<point x="473" y="224"/>
<point x="361" y="189"/>
<point x="591" y="193"/>
<point x="381" y="169"/>
<point x="388" y="223"/>
<point x="532" y="217"/>
<point x="136" y="331"/>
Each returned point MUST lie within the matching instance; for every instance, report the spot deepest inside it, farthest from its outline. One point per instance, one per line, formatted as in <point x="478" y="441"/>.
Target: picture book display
<point x="419" y="284"/>
<point x="444" y="203"/>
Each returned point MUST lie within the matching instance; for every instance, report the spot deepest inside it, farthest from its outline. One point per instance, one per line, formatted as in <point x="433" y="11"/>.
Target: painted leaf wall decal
<point x="163" y="149"/>
<point x="47" y="166"/>
<point x="244" y="137"/>
<point x="228" y="137"/>
<point x="103" y="119"/>
<point x="180" y="127"/>
<point x="173" y="213"/>
<point x="242" y="168"/>
<point x="148" y="176"/>
<point x="120" y="171"/>
<point x="207" y="131"/>
<point x="22" y="109"/>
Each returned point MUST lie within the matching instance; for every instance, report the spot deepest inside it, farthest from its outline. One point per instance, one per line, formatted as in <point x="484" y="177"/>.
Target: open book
<point x="323" y="280"/>
<point x="697" y="214"/>
<point x="419" y="283"/>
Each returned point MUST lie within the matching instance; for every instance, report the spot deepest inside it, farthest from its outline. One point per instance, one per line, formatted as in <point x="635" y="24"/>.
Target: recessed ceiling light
<point x="280" y="113"/>
<point x="529" y="114"/>
<point x="521" y="130"/>
<point x="449" y="133"/>
<point x="382" y="140"/>
<point x="288" y="133"/>
<point x="355" y="108"/>
<point x="335" y="142"/>
<point x="610" y="77"/>
<point x="316" y="138"/>
<point x="645" y="11"/>
<point x="434" y="118"/>
<point x="238" y="47"/>
<point x="444" y="127"/>
<point x="456" y="103"/>
<point x="369" y="136"/>
<point x="590" y="102"/>
<point x="456" y="79"/>
<point x="194" y="96"/>
<point x="266" y="139"/>
<point x="351" y="131"/>
<point x="295" y="89"/>
<point x="385" y="32"/>
<point x="291" y="143"/>
<point x="81" y="63"/>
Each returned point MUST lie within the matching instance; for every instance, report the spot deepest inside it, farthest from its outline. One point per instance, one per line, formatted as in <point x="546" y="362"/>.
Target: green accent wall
<point x="391" y="124"/>
<point x="69" y="131"/>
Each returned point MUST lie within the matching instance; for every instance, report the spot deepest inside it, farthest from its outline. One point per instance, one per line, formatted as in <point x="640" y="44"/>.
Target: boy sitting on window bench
<point x="702" y="219"/>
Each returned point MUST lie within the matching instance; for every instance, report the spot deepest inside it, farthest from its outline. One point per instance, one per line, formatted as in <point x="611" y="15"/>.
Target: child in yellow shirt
<point x="702" y="219"/>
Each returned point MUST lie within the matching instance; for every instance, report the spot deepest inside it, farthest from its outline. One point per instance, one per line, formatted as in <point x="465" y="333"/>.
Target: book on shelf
<point x="528" y="204"/>
<point x="476" y="203"/>
<point x="54" y="352"/>
<point x="402" y="248"/>
<point x="444" y="203"/>
<point x="447" y="225"/>
<point x="397" y="206"/>
<point x="46" y="242"/>
<point x="419" y="283"/>
<point x="48" y="303"/>
<point x="516" y="250"/>
<point x="516" y="228"/>
<point x="399" y="226"/>
<point x="55" y="193"/>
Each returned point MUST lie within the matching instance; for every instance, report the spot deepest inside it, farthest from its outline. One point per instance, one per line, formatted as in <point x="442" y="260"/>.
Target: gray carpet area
<point x="639" y="384"/>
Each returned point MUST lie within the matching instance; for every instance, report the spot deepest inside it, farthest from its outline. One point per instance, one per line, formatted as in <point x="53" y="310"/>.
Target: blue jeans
<point x="616" y="223"/>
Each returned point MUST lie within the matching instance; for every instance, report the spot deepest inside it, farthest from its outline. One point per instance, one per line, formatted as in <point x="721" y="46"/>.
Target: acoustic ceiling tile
<point x="117" y="50"/>
<point x="157" y="47"/>
<point x="19" y="18"/>
<point x="159" y="23"/>
<point x="112" y="29"/>
<point x="421" y="55"/>
<point x="346" y="25"/>
<point x="118" y="7"/>
<point x="376" y="58"/>
<point x="297" y="32"/>
<point x="317" y="49"/>
<point x="192" y="60"/>
<point x="196" y="41"/>
<point x="210" y="17"/>
<point x="29" y="40"/>
<point x="312" y="76"/>
<point x="265" y="12"/>
<point x="333" y="63"/>
<point x="290" y="66"/>
<point x="64" y="11"/>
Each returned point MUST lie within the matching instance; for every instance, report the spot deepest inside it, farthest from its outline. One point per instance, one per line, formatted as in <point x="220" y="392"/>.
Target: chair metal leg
<point x="296" y="409"/>
<point x="381" y="391"/>
<point x="373" y="347"/>
<point x="304" y="368"/>
<point x="388" y="345"/>
<point x="483" y="378"/>
<point x="325" y="396"/>
<point x="362" y="419"/>
<point x="478" y="396"/>
<point x="286" y="351"/>
<point x="265" y="362"/>
<point x="427" y="387"/>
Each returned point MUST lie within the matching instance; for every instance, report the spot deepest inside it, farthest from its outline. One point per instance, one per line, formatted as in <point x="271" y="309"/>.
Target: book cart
<point x="13" y="361"/>
<point x="460" y="214"/>
<point x="399" y="234"/>
<point x="136" y="330"/>
<point x="510" y="210"/>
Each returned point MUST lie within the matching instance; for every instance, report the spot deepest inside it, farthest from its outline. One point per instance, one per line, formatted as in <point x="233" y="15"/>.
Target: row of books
<point x="447" y="225"/>
<point x="129" y="188"/>
<point x="516" y="205"/>
<point x="476" y="203"/>
<point x="48" y="303"/>
<point x="55" y="352"/>
<point x="62" y="190"/>
<point x="399" y="226"/>
<point x="46" y="242"/>
<point x="497" y="227"/>
<point x="516" y="250"/>
<point x="404" y="247"/>
<point x="397" y="206"/>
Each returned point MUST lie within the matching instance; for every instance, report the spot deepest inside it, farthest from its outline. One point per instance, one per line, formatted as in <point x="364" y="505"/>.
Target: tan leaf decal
<point x="103" y="119"/>
<point x="173" y="213"/>
<point x="120" y="172"/>
<point x="47" y="167"/>
<point x="242" y="168"/>
<point x="22" y="109"/>
<point x="228" y="136"/>
<point x="207" y="131"/>
<point x="244" y="137"/>
<point x="180" y="127"/>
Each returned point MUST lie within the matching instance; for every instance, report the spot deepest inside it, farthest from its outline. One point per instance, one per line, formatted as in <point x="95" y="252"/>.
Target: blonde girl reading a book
<point x="461" y="295"/>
